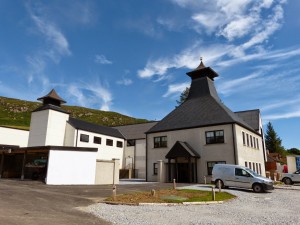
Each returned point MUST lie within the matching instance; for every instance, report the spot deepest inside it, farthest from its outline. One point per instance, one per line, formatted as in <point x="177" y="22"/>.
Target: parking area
<point x="32" y="202"/>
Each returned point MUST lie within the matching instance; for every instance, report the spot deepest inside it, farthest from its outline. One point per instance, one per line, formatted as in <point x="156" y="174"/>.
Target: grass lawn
<point x="171" y="196"/>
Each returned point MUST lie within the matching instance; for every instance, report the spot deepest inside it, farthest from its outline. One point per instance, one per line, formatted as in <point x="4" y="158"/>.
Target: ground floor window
<point x="211" y="164"/>
<point x="155" y="168"/>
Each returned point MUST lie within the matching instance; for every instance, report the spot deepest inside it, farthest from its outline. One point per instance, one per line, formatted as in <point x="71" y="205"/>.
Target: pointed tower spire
<point x="202" y="71"/>
<point x="52" y="98"/>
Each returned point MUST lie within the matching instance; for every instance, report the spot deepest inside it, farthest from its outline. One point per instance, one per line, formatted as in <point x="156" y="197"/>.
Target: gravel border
<point x="275" y="207"/>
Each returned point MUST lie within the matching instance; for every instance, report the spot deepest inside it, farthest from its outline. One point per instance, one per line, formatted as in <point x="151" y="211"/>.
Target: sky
<point x="132" y="56"/>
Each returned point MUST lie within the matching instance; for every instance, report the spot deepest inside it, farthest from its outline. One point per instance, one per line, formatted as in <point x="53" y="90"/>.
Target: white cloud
<point x="188" y="58"/>
<point x="53" y="35"/>
<point x="287" y="115"/>
<point x="125" y="81"/>
<point x="176" y="88"/>
<point x="101" y="59"/>
<point x="236" y="85"/>
<point x="91" y="94"/>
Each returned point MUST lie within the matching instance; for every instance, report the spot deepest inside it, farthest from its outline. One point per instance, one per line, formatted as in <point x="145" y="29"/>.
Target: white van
<point x="239" y="176"/>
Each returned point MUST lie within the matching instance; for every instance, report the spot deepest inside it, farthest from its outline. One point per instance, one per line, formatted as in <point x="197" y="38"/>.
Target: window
<point x="119" y="144"/>
<point x="109" y="142"/>
<point x="97" y="140"/>
<point x="155" y="168"/>
<point x="257" y="171"/>
<point x="254" y="142"/>
<point x="241" y="172"/>
<point x="246" y="164"/>
<point x="251" y="142"/>
<point x="259" y="168"/>
<point x="250" y="165"/>
<point x="244" y="139"/>
<point x="253" y="167"/>
<point x="160" y="142"/>
<point x="84" y="138"/>
<point x="213" y="137"/>
<point x="130" y="143"/>
<point x="247" y="139"/>
<point x="257" y="145"/>
<point x="211" y="164"/>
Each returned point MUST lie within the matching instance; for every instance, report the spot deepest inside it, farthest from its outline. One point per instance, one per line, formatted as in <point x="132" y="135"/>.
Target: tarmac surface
<point x="32" y="202"/>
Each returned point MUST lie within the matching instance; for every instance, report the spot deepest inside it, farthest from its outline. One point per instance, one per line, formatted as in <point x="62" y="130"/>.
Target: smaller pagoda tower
<point x="48" y="122"/>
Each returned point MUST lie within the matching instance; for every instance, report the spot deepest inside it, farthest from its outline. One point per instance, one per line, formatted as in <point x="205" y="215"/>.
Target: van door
<point x="242" y="178"/>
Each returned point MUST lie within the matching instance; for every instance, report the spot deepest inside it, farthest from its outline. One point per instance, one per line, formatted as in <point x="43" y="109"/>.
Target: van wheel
<point x="287" y="181"/>
<point x="257" y="188"/>
<point x="221" y="183"/>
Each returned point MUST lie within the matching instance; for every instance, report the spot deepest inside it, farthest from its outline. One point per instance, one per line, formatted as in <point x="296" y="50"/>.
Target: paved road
<point x="32" y="202"/>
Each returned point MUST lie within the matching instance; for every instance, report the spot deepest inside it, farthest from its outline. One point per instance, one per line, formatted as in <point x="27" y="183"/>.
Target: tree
<point x="293" y="151"/>
<point x="183" y="96"/>
<point x="273" y="142"/>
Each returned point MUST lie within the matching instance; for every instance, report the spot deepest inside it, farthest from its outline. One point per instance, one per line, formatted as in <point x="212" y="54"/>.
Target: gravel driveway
<point x="280" y="206"/>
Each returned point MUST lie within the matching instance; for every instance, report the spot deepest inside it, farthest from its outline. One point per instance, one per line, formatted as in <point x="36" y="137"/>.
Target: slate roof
<point x="182" y="149"/>
<point x="202" y="108"/>
<point x="251" y="117"/>
<point x="91" y="127"/>
<point x="135" y="131"/>
<point x="50" y="106"/>
<point x="52" y="95"/>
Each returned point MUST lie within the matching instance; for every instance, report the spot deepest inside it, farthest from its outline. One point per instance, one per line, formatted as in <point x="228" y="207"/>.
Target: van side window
<point x="241" y="172"/>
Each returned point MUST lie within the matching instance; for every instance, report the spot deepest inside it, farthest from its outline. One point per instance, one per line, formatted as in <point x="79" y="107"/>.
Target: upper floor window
<point x="84" y="138"/>
<point x="160" y="142"/>
<point x="97" y="140"/>
<point x="130" y="143"/>
<point x="244" y="138"/>
<point x="109" y="142"/>
<point x="216" y="136"/>
<point x="119" y="144"/>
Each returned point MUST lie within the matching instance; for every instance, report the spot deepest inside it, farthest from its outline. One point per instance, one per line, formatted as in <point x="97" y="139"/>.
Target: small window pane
<point x="109" y="142"/>
<point x="155" y="168"/>
<point x="97" y="140"/>
<point x="130" y="143"/>
<point x="84" y="138"/>
<point x="119" y="144"/>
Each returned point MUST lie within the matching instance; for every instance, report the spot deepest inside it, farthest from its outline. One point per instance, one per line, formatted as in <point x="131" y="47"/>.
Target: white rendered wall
<point x="47" y="127"/>
<point x="247" y="153"/>
<point x="140" y="158"/>
<point x="104" y="152"/>
<point x="208" y="152"/>
<point x="70" y="136"/>
<point x="196" y="139"/>
<point x="11" y="136"/>
<point x="71" y="167"/>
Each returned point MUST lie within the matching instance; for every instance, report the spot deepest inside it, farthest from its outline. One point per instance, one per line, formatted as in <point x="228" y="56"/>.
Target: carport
<point x="52" y="164"/>
<point x="24" y="163"/>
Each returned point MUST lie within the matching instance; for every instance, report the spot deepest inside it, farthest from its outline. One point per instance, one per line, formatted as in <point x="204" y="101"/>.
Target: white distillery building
<point x="73" y="151"/>
<point x="202" y="132"/>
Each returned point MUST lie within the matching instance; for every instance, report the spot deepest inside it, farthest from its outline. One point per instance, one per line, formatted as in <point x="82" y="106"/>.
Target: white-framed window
<point x="213" y="137"/>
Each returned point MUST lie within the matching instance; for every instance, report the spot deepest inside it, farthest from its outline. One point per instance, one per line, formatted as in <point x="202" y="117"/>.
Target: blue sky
<point x="131" y="56"/>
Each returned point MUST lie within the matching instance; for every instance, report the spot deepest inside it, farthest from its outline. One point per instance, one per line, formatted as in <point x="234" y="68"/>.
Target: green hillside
<point x="17" y="113"/>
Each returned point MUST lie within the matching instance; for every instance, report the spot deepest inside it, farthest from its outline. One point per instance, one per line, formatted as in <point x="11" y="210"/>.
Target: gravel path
<point x="281" y="206"/>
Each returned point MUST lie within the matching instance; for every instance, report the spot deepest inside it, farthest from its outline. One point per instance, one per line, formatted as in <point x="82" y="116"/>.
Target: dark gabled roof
<point x="202" y="108"/>
<point x="182" y="149"/>
<point x="50" y="106"/>
<point x="251" y="117"/>
<point x="91" y="127"/>
<point x="135" y="131"/>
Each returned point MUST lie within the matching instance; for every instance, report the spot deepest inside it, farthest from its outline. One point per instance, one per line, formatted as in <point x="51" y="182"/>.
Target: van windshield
<point x="252" y="172"/>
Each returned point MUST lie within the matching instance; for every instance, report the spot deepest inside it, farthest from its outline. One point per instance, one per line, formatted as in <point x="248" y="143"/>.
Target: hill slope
<point x="17" y="113"/>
